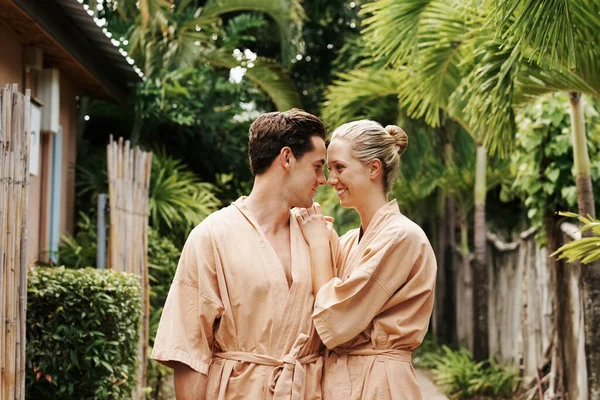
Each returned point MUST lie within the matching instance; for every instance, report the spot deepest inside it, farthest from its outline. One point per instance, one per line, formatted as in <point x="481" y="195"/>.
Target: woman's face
<point x="347" y="175"/>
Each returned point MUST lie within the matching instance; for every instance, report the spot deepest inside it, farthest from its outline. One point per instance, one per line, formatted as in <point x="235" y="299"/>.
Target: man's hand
<point x="189" y="383"/>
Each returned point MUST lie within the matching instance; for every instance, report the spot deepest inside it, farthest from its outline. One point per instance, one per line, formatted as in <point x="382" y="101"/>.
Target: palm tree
<point x="558" y="38"/>
<point x="163" y="35"/>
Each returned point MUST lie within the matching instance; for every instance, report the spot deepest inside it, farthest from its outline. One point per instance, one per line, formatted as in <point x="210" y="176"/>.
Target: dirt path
<point x="429" y="390"/>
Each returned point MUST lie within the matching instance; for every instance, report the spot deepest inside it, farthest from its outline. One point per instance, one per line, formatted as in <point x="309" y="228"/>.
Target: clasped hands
<point x="315" y="226"/>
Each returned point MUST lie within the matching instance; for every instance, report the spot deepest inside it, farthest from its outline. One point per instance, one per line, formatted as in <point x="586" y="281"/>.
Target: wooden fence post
<point x="15" y="111"/>
<point x="128" y="186"/>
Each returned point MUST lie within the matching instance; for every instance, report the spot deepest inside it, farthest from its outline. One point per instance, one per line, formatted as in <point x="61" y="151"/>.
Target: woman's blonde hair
<point x="372" y="141"/>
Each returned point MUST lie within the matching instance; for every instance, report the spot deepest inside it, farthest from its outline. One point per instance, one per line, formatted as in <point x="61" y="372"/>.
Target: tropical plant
<point x="542" y="162"/>
<point x="586" y="249"/>
<point x="165" y="35"/>
<point x="79" y="251"/>
<point x="471" y="59"/>
<point x="178" y="200"/>
<point x="162" y="263"/>
<point x="463" y="378"/>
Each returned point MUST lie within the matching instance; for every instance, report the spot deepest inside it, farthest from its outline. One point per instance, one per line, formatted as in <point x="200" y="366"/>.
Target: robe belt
<point x="341" y="378"/>
<point x="288" y="376"/>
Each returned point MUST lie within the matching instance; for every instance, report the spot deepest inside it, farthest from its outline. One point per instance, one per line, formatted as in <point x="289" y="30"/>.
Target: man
<point x="237" y="320"/>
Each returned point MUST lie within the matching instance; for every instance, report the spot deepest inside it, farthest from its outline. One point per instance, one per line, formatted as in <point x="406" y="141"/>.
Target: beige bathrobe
<point x="231" y="315"/>
<point x="377" y="309"/>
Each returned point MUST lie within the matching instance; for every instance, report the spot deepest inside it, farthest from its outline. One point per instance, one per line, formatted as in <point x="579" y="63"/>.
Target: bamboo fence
<point x="129" y="184"/>
<point x="15" y="111"/>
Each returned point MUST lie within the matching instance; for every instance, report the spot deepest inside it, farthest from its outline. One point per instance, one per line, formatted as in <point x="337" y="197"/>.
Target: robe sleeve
<point x="344" y="308"/>
<point x="185" y="331"/>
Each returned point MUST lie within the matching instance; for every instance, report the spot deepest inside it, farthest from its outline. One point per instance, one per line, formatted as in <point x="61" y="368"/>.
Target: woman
<point x="372" y="307"/>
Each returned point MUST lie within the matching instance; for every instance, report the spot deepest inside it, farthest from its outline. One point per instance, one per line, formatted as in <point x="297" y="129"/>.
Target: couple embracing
<point x="268" y="303"/>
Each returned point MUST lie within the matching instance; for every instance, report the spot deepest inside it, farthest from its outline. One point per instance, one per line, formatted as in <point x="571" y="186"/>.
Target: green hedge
<point x="82" y="333"/>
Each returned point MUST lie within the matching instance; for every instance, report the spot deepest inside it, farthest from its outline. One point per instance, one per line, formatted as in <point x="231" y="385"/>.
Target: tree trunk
<point x="467" y="276"/>
<point x="590" y="273"/>
<point x="440" y="287"/>
<point x="449" y="320"/>
<point x="557" y="378"/>
<point x="480" y="271"/>
<point x="445" y="313"/>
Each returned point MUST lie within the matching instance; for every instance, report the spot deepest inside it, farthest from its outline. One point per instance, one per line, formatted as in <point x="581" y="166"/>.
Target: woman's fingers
<point x="317" y="208"/>
<point x="302" y="215"/>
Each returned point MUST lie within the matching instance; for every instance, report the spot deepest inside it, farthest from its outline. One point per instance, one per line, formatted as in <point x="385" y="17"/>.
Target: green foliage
<point x="80" y="250"/>
<point x="82" y="333"/>
<point x="543" y="160"/>
<point x="174" y="96"/>
<point x="586" y="249"/>
<point x="163" y="256"/>
<point x="463" y="378"/>
<point x="177" y="197"/>
<point x="424" y="355"/>
<point x="331" y="37"/>
<point x="162" y="259"/>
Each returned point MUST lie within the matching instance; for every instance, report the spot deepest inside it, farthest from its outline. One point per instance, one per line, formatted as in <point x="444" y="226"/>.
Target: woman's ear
<point x="375" y="169"/>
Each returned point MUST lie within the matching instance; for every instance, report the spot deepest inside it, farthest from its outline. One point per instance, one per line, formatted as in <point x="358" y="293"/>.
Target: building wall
<point x="11" y="71"/>
<point x="68" y="121"/>
<point x="11" y="58"/>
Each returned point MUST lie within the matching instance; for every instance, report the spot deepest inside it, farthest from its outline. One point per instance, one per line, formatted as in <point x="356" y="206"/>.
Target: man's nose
<point x="321" y="179"/>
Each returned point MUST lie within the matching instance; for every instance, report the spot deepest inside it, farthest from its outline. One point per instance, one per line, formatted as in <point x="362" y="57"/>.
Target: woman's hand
<point x="315" y="227"/>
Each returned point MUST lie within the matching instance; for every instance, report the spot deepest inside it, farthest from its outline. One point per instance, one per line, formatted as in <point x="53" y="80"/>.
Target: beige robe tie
<point x="287" y="379"/>
<point x="341" y="378"/>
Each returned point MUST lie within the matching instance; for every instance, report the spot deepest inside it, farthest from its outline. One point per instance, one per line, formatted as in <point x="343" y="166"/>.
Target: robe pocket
<point x="247" y="381"/>
<point x="400" y="381"/>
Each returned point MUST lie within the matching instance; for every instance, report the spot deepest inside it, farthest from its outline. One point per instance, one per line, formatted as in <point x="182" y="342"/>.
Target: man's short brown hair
<point x="273" y="131"/>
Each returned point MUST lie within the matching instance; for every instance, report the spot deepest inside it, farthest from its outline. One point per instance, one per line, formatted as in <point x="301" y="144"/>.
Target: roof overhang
<point x="73" y="43"/>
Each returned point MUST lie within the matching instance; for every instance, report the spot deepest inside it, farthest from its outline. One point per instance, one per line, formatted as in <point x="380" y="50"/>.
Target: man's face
<point x="307" y="174"/>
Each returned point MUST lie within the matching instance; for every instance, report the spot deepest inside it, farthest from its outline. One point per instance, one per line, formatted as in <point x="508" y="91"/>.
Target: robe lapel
<point x="381" y="218"/>
<point x="270" y="260"/>
<point x="292" y="303"/>
<point x="299" y="299"/>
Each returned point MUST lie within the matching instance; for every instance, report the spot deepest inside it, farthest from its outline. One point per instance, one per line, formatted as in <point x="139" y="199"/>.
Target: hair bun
<point x="400" y="136"/>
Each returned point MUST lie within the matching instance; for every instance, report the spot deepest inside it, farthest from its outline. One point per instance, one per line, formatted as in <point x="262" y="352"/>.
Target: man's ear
<point x="285" y="157"/>
<point x="375" y="169"/>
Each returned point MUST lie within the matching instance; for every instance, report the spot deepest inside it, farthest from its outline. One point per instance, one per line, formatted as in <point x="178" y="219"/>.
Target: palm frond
<point x="437" y="65"/>
<point x="347" y="97"/>
<point x="486" y="94"/>
<point x="287" y="14"/>
<point x="267" y="74"/>
<point x="586" y="249"/>
<point x="177" y="197"/>
<point x="391" y="28"/>
<point x="558" y="28"/>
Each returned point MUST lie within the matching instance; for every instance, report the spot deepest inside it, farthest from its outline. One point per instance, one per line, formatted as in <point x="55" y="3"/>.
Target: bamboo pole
<point x="129" y="184"/>
<point x="5" y="138"/>
<point x="25" y="156"/>
<point x="14" y="170"/>
<point x="9" y="356"/>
